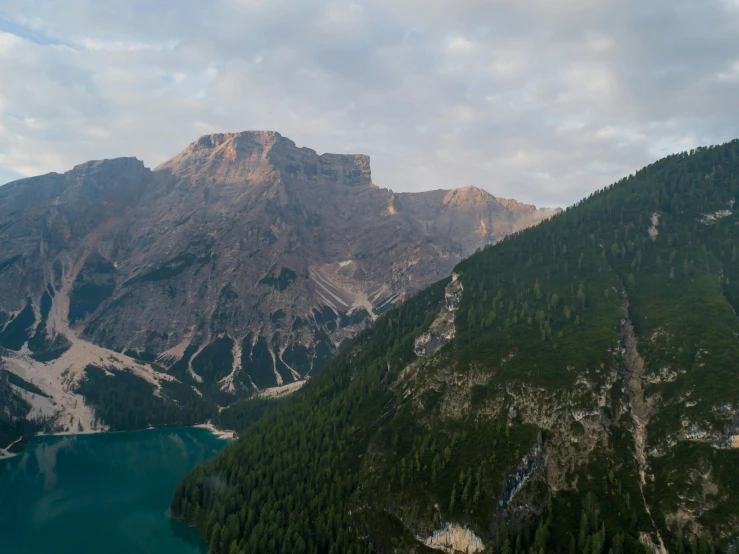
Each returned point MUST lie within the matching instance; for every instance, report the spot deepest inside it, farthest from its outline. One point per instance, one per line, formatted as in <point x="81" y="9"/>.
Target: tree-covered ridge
<point x="587" y="403"/>
<point x="124" y="401"/>
<point x="288" y="485"/>
<point x="659" y="248"/>
<point x="647" y="237"/>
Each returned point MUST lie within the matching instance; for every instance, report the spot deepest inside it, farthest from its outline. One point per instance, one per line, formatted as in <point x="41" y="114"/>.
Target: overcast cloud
<point x="541" y="100"/>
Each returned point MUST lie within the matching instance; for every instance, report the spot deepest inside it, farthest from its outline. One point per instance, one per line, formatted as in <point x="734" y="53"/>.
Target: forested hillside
<point x="574" y="388"/>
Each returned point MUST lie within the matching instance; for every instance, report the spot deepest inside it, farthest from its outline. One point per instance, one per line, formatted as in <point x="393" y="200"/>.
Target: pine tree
<point x="215" y="538"/>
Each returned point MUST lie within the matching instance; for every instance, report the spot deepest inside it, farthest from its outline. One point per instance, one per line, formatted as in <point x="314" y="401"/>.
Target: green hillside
<point x="576" y="391"/>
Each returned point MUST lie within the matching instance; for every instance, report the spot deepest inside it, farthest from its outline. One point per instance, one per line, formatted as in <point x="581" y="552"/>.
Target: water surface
<point x="100" y="493"/>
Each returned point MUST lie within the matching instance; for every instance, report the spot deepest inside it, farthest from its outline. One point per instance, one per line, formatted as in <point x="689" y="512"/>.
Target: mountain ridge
<point x="240" y="264"/>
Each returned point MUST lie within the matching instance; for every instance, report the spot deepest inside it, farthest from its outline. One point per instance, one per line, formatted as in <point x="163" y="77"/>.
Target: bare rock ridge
<point x="242" y="263"/>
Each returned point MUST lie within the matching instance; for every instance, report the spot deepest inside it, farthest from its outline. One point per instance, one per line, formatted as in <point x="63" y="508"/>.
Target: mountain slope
<point x="239" y="265"/>
<point x="244" y="257"/>
<point x="571" y="389"/>
<point x="286" y="252"/>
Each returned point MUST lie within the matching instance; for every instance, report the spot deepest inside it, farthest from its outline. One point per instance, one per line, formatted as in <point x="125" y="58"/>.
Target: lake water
<point x="106" y="493"/>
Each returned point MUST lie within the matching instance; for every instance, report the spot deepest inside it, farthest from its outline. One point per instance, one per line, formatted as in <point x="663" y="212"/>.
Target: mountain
<point x="239" y="265"/>
<point x="572" y="388"/>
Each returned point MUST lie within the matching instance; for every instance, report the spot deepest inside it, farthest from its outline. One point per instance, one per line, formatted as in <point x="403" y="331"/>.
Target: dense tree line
<point x="123" y="401"/>
<point x="244" y="413"/>
<point x="287" y="487"/>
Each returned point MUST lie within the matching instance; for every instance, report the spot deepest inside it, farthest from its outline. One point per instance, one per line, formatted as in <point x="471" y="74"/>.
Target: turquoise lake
<point x="100" y="493"/>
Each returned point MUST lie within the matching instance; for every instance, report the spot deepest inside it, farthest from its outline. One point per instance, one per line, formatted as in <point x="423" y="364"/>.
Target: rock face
<point x="469" y="217"/>
<point x="254" y="255"/>
<point x="442" y="330"/>
<point x="453" y="538"/>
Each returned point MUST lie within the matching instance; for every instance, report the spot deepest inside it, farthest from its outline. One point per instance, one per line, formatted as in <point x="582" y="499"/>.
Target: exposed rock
<point x="641" y="411"/>
<point x="665" y="375"/>
<point x="533" y="462"/>
<point x="453" y="538"/>
<point x="709" y="219"/>
<point x="243" y="235"/>
<point x="284" y="390"/>
<point x="442" y="330"/>
<point x="653" y="232"/>
<point x="469" y="216"/>
<point x="730" y="416"/>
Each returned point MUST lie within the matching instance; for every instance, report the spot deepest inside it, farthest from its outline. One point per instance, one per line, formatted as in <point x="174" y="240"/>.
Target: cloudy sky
<point x="541" y="100"/>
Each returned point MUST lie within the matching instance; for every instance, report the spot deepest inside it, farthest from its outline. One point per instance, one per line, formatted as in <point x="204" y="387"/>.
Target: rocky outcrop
<point x="442" y="330"/>
<point x="532" y="463"/>
<point x="243" y="243"/>
<point x="469" y="217"/>
<point x="641" y="411"/>
<point x="453" y="538"/>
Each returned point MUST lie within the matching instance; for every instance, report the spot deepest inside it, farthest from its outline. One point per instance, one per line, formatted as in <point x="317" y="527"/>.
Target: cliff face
<point x="469" y="217"/>
<point x="269" y="253"/>
<point x="44" y="220"/>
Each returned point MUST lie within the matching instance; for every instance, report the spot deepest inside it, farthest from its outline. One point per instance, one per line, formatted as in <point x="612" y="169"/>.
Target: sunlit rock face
<point x="454" y="538"/>
<point x="277" y="252"/>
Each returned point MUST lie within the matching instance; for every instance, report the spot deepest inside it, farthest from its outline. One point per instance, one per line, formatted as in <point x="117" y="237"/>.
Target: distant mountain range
<point x="239" y="265"/>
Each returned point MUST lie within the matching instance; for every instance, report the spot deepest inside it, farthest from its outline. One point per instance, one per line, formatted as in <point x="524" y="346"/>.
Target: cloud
<point x="538" y="100"/>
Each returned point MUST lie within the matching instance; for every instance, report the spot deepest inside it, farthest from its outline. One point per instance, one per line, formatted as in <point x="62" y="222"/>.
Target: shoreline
<point x="223" y="434"/>
<point x="5" y="453"/>
<point x="226" y="434"/>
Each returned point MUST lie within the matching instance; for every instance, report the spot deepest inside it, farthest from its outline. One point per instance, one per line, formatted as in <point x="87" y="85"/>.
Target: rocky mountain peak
<point x="265" y="138"/>
<point x="119" y="181"/>
<point x="225" y="149"/>
<point x="244" y="243"/>
<point x="129" y="163"/>
<point x="242" y="143"/>
<point x="515" y="206"/>
<point x="469" y="195"/>
<point x="239" y="157"/>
